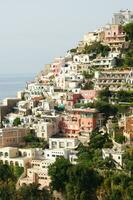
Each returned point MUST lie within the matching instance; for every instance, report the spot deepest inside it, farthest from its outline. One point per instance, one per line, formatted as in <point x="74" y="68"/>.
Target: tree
<point x="116" y="185"/>
<point x="120" y="138"/>
<point x="32" y="192"/>
<point x="6" y="173"/>
<point x="99" y="140"/>
<point x="7" y="190"/>
<point x="96" y="48"/>
<point x="89" y="85"/>
<point x="33" y="142"/>
<point x="82" y="183"/>
<point x="128" y="160"/>
<point x="88" y="75"/>
<point x="58" y="174"/>
<point x="73" y="50"/>
<point x="128" y="28"/>
<point x="105" y="94"/>
<point x="16" y="121"/>
<point x="106" y="108"/>
<point x="18" y="171"/>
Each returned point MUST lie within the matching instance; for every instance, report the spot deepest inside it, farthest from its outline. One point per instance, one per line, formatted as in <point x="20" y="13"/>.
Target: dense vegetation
<point x="8" y="178"/>
<point x="93" y="178"/>
<point x="31" y="141"/>
<point x="96" y="48"/>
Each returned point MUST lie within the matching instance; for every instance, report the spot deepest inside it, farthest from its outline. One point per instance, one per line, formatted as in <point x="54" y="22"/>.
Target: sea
<point x="10" y="84"/>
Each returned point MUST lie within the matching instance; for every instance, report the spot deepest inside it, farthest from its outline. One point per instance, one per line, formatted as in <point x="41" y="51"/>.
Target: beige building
<point x="38" y="173"/>
<point x="45" y="130"/>
<point x="12" y="136"/>
<point x="15" y="156"/>
<point x="47" y="126"/>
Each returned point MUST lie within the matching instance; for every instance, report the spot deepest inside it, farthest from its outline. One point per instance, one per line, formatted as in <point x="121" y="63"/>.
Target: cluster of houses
<point x="47" y="106"/>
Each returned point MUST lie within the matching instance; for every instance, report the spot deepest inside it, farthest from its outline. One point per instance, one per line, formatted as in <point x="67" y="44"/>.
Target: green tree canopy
<point x="16" y="121"/>
<point x="32" y="192"/>
<point x="58" y="173"/>
<point x="128" y="28"/>
<point x="82" y="183"/>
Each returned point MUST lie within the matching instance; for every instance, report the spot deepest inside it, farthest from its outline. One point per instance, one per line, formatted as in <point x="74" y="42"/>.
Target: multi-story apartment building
<point x="80" y="122"/>
<point x="46" y="126"/>
<point x="36" y="174"/>
<point x="37" y="89"/>
<point x="114" y="37"/>
<point x="107" y="62"/>
<point x="114" y="79"/>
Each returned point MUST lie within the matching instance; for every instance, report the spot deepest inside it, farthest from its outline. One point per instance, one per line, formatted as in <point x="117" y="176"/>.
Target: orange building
<point x="80" y="121"/>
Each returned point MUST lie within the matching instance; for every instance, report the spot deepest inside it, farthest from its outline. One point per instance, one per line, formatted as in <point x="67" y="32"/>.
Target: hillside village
<point x="79" y="109"/>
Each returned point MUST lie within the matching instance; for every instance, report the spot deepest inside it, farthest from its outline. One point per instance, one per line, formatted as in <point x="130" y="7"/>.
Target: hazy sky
<point x="33" y="32"/>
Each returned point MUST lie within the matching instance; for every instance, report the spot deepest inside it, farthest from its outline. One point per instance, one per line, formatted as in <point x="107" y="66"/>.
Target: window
<point x="61" y="145"/>
<point x="6" y="154"/>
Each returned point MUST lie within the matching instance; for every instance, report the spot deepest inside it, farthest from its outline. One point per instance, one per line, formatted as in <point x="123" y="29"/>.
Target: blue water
<point x="11" y="83"/>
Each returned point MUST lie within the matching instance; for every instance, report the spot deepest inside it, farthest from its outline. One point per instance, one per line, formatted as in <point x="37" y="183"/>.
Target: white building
<point x="53" y="154"/>
<point x="63" y="143"/>
<point x="114" y="79"/>
<point x="116" y="155"/>
<point x="37" y="89"/>
<point x="81" y="58"/>
<point x="122" y="17"/>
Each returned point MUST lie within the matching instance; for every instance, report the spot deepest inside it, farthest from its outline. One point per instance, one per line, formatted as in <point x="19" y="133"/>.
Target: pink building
<point x="115" y="36"/>
<point x="56" y="66"/>
<point x="80" y="121"/>
<point x="89" y="94"/>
